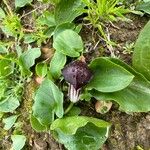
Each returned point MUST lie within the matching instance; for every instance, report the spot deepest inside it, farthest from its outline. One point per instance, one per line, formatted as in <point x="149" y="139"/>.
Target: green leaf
<point x="29" y="38"/>
<point x="63" y="27"/>
<point x="108" y="76"/>
<point x="9" y="122"/>
<point x="141" y="54"/>
<point x="47" y="18"/>
<point x="18" y="142"/>
<point x="6" y="67"/>
<point x="48" y="100"/>
<point x="9" y="104"/>
<point x="27" y="59"/>
<point x="2" y="14"/>
<point x="79" y="132"/>
<point x="57" y="63"/>
<point x="69" y="125"/>
<point x="41" y="69"/>
<point x="68" y="10"/>
<point x="134" y="98"/>
<point x="22" y="3"/>
<point x="144" y="7"/>
<point x="11" y="26"/>
<point x="74" y="111"/>
<point x="36" y="125"/>
<point x="69" y="43"/>
<point x="3" y="48"/>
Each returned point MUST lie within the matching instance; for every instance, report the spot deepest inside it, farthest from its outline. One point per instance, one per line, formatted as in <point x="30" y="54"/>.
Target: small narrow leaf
<point x="9" y="122"/>
<point x="41" y="69"/>
<point x="18" y="142"/>
<point x="57" y="63"/>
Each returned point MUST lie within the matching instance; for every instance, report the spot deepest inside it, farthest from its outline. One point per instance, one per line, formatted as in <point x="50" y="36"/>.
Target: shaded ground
<point x="128" y="130"/>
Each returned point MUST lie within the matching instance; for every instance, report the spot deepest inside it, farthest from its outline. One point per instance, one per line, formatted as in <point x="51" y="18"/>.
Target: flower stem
<point x="69" y="108"/>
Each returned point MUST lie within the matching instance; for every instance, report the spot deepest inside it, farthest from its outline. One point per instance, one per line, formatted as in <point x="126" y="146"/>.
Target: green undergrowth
<point x="42" y="51"/>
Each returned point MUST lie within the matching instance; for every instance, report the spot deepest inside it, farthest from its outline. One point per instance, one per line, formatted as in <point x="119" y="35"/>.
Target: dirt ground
<point x="128" y="131"/>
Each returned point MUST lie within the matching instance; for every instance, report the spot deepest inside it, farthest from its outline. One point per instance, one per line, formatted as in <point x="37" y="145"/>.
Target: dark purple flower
<point x="77" y="74"/>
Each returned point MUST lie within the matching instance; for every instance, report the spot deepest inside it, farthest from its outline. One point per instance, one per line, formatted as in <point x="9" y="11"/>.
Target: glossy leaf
<point x="68" y="10"/>
<point x="9" y="104"/>
<point x="36" y="125"/>
<point x="9" y="122"/>
<point x="18" y="142"/>
<point x="48" y="100"/>
<point x="79" y="132"/>
<point x="141" y="55"/>
<point x="134" y="98"/>
<point x="41" y="69"/>
<point x="22" y="3"/>
<point x="57" y="63"/>
<point x="69" y="43"/>
<point x="27" y="59"/>
<point x="108" y="76"/>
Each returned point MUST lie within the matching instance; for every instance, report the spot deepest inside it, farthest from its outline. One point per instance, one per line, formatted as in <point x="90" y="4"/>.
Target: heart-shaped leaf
<point x="141" y="55"/>
<point x="79" y="132"/>
<point x="134" y="98"/>
<point x="108" y="76"/>
<point x="69" y="43"/>
<point x="48" y="100"/>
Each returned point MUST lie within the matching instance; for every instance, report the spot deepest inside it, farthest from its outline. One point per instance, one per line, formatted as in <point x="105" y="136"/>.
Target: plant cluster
<point x="105" y="79"/>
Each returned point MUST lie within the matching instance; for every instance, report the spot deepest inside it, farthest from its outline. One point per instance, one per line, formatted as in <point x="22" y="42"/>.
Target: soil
<point x="128" y="131"/>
